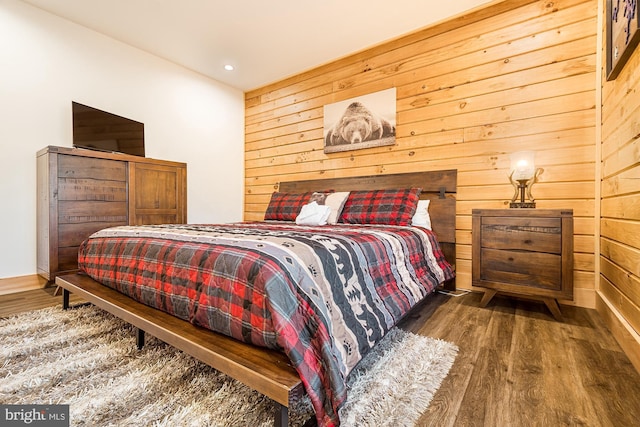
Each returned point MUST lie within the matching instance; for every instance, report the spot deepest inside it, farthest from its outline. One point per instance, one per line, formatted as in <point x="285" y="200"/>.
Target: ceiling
<point x="265" y="41"/>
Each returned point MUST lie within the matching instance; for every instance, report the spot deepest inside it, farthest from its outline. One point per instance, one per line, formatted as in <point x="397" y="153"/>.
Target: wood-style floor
<point x="516" y="366"/>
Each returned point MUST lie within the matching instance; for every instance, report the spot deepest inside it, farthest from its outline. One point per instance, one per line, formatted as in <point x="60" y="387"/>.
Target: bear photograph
<point x="362" y="122"/>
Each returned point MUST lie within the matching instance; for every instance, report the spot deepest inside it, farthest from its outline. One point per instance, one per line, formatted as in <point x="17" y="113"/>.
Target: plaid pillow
<point x="286" y="206"/>
<point x="391" y="207"/>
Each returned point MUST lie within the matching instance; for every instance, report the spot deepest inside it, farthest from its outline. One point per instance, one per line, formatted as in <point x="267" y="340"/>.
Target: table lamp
<point x="523" y="175"/>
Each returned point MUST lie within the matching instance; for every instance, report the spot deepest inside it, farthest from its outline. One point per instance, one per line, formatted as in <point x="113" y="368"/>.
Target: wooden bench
<point x="269" y="372"/>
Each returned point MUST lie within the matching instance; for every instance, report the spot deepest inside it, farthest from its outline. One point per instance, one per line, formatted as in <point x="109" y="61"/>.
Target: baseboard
<point x="11" y="285"/>
<point x="624" y="334"/>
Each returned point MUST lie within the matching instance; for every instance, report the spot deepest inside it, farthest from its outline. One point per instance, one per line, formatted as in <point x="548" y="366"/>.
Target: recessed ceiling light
<point x="228" y="67"/>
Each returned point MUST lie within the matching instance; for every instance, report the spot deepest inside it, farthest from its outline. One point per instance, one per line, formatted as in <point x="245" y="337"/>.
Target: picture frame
<point x="365" y="121"/>
<point x="622" y="34"/>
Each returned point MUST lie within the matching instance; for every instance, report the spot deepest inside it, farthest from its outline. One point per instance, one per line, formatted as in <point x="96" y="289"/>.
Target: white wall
<point x="47" y="62"/>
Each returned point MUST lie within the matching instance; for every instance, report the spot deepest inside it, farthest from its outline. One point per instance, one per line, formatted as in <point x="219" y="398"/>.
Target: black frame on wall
<point x="622" y="34"/>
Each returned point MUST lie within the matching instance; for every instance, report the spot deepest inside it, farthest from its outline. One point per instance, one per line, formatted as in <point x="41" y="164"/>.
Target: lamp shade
<point x="523" y="165"/>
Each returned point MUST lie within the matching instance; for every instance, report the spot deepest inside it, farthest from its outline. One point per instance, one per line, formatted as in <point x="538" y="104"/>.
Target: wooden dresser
<point x="82" y="191"/>
<point x="524" y="252"/>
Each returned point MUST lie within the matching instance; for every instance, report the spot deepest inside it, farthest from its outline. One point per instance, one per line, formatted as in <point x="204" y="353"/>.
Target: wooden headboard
<point x="438" y="186"/>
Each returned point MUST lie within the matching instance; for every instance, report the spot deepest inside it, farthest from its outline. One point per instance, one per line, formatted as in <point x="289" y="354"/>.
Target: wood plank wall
<point x="619" y="286"/>
<point x="515" y="75"/>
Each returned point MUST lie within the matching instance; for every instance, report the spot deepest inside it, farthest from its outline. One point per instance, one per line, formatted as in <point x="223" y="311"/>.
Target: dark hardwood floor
<point x="516" y="365"/>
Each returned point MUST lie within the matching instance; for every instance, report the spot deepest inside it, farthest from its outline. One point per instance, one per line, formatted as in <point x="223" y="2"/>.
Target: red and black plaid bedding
<point x="324" y="295"/>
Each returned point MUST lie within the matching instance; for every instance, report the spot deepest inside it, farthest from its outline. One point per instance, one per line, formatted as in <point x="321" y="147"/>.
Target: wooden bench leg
<point x="65" y="299"/>
<point x="281" y="416"/>
<point x="66" y="305"/>
<point x="139" y="338"/>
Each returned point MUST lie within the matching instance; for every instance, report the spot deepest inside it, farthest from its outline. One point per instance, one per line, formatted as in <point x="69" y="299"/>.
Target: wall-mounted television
<point x="99" y="130"/>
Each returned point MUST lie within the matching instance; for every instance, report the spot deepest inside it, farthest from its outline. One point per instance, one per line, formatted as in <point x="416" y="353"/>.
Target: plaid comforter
<point x="324" y="295"/>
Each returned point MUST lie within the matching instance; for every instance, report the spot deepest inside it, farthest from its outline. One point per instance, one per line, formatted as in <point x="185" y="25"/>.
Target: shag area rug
<point x="88" y="359"/>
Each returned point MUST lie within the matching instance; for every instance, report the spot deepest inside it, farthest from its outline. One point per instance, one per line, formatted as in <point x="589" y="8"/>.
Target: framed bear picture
<point x="361" y="122"/>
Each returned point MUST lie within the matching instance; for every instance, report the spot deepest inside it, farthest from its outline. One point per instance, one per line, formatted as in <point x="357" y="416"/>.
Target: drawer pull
<point x="528" y="241"/>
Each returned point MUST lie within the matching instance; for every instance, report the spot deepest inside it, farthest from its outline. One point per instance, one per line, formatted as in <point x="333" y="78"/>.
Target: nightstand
<point x="524" y="252"/>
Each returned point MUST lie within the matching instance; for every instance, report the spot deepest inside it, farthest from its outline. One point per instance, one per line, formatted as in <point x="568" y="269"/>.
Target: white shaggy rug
<point x="88" y="359"/>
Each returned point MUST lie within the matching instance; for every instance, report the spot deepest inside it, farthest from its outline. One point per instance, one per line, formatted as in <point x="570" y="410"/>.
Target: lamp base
<point x="519" y="205"/>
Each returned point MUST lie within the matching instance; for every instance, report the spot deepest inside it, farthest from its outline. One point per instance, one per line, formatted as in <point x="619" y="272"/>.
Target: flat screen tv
<point x="98" y="130"/>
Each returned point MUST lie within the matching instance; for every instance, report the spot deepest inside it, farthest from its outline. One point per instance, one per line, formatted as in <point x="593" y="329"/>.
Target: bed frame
<point x="267" y="371"/>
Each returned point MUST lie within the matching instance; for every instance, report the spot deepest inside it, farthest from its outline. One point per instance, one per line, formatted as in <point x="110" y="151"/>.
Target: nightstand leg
<point x="488" y="294"/>
<point x="552" y="305"/>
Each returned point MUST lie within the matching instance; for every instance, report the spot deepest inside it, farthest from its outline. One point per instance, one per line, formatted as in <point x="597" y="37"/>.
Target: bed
<point x="323" y="333"/>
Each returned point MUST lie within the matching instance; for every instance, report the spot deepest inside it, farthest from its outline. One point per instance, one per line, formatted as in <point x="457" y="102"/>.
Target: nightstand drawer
<point x="528" y="234"/>
<point x="533" y="269"/>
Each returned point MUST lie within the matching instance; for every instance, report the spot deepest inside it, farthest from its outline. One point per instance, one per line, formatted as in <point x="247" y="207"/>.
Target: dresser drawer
<point x="87" y="167"/>
<point x="92" y="189"/>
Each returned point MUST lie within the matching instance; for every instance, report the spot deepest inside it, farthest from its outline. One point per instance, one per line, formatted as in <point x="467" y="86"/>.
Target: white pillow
<point x="421" y="218"/>
<point x="336" y="202"/>
<point x="313" y="214"/>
